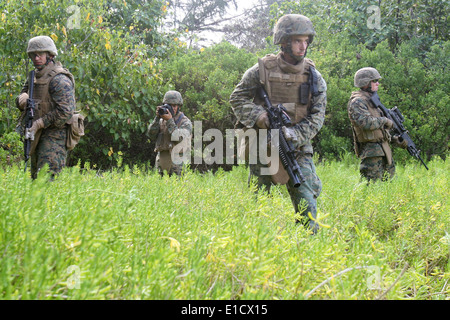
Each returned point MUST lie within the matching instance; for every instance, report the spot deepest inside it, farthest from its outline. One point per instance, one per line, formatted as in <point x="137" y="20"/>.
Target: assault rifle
<point x="29" y="116"/>
<point x="397" y="118"/>
<point x="278" y="118"/>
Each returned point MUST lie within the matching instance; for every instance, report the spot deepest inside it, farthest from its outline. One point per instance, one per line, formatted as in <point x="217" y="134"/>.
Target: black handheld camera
<point x="165" y="109"/>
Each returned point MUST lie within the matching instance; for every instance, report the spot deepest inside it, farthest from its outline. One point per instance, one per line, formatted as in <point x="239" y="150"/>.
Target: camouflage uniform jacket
<point x="162" y="131"/>
<point x="54" y="91"/>
<point x="365" y="117"/>
<point x="244" y="102"/>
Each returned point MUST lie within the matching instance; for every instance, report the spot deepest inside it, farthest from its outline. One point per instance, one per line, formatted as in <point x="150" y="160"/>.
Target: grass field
<point x="130" y="234"/>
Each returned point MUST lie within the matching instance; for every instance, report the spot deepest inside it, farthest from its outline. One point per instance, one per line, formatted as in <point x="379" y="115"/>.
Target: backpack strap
<point x="179" y="119"/>
<point x="313" y="81"/>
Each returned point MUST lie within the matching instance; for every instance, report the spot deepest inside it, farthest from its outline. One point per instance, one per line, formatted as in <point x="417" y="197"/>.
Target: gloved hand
<point x="388" y="123"/>
<point x="263" y="121"/>
<point x="37" y="125"/>
<point x="396" y="140"/>
<point x="289" y="134"/>
<point x="23" y="99"/>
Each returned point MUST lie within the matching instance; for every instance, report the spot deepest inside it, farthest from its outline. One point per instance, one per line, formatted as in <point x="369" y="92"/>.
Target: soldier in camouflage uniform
<point x="371" y="129"/>
<point x="286" y="78"/>
<point x="172" y="132"/>
<point x="54" y="93"/>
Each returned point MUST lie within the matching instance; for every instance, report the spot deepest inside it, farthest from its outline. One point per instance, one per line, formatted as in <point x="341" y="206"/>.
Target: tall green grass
<point x="130" y="234"/>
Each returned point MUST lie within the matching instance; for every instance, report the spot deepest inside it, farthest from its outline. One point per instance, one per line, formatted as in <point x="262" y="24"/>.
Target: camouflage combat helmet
<point x="173" y="97"/>
<point x="365" y="75"/>
<point x="42" y="43"/>
<point x="292" y="25"/>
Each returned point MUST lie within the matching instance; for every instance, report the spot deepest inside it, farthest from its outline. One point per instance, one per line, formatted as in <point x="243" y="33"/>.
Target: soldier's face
<point x="38" y="58"/>
<point x="299" y="44"/>
<point x="374" y="85"/>
<point x="296" y="49"/>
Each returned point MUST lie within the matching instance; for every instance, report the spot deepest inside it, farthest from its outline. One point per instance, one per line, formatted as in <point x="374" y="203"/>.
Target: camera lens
<point x="163" y="110"/>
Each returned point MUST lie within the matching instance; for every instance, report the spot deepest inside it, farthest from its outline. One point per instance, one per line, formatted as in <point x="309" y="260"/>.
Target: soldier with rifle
<point x="47" y="100"/>
<point x="286" y="92"/>
<point x="372" y="125"/>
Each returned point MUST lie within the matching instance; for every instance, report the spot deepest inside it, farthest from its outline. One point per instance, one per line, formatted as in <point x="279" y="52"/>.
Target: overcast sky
<point x="217" y="37"/>
<point x="243" y="4"/>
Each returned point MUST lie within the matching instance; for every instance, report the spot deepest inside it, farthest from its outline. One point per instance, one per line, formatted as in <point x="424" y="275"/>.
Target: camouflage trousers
<point x="376" y="168"/>
<point x="304" y="197"/>
<point x="50" y="150"/>
<point x="174" y="168"/>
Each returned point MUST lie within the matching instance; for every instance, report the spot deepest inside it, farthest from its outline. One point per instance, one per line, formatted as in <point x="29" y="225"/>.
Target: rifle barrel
<point x="29" y="115"/>
<point x="397" y="118"/>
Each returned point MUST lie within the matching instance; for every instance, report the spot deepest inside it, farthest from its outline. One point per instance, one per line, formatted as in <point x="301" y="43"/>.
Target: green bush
<point x="206" y="79"/>
<point x="112" y="53"/>
<point x="11" y="148"/>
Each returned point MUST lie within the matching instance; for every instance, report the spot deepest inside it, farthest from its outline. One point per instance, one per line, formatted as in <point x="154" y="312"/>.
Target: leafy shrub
<point x="112" y="54"/>
<point x="206" y="79"/>
<point x="11" y="148"/>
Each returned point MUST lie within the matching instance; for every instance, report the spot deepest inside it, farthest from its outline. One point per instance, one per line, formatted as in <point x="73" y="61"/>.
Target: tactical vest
<point x="41" y="94"/>
<point x="287" y="84"/>
<point x="44" y="102"/>
<point x="362" y="135"/>
<point x="164" y="141"/>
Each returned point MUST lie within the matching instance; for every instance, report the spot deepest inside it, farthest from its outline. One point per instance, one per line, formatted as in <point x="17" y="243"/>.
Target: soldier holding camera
<point x="172" y="131"/>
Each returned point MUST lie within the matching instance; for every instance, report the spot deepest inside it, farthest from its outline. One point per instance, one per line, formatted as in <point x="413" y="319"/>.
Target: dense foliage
<point x="111" y="48"/>
<point x="408" y="45"/>
<point x="123" y="62"/>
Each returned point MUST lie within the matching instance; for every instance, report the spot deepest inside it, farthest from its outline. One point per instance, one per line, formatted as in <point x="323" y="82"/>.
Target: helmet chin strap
<point x="49" y="59"/>
<point x="368" y="89"/>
